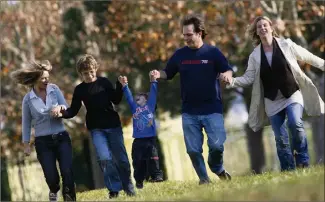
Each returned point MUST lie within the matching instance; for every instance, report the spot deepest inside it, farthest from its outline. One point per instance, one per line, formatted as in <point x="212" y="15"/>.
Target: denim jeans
<point x="50" y="148"/>
<point x="213" y="125"/>
<point x="145" y="158"/>
<point x="298" y="141"/>
<point x="113" y="159"/>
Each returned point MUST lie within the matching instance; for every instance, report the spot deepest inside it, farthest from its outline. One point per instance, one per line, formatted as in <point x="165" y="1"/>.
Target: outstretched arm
<point x="170" y="70"/>
<point x="74" y="108"/>
<point x="128" y="94"/>
<point x="304" y="55"/>
<point x="247" y="78"/>
<point x="152" y="100"/>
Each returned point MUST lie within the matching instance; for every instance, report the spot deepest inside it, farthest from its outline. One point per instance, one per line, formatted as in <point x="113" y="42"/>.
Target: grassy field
<point x="300" y="185"/>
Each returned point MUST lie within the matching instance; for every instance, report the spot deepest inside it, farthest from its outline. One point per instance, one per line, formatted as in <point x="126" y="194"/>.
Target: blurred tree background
<point x="132" y="38"/>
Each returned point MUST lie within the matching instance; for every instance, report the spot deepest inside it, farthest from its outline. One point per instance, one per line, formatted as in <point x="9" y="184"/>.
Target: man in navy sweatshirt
<point x="199" y="65"/>
<point x="144" y="147"/>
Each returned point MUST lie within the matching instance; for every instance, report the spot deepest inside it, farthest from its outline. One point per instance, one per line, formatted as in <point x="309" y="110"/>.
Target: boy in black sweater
<point x="103" y="122"/>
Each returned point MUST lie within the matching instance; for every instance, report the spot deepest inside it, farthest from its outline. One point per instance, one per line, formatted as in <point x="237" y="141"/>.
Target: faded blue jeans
<point x="113" y="159"/>
<point x="288" y="160"/>
<point x="213" y="124"/>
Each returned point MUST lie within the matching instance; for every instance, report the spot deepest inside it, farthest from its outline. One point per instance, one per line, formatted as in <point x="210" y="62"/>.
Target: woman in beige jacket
<point x="280" y="89"/>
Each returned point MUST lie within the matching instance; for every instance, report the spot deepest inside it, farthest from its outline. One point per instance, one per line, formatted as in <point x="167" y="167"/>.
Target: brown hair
<point x="197" y="22"/>
<point x="86" y="62"/>
<point x="146" y="95"/>
<point x="29" y="76"/>
<point x="252" y="29"/>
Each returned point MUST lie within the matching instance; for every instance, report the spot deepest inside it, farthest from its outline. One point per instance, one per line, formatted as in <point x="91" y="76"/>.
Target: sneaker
<point x="113" y="194"/>
<point x="53" y="197"/>
<point x="69" y="195"/>
<point x="224" y="175"/>
<point x="139" y="185"/>
<point x="204" y="181"/>
<point x="157" y="179"/>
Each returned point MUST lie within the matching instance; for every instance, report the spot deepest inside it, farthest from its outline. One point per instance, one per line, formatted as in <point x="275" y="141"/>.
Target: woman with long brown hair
<point x="52" y="141"/>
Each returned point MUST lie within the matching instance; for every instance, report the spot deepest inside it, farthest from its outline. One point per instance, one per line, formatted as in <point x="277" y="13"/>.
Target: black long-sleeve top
<point x="98" y="98"/>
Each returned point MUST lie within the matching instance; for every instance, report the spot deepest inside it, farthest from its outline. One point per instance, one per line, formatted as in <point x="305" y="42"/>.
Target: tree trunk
<point x="318" y="128"/>
<point x="255" y="149"/>
<point x="5" y="188"/>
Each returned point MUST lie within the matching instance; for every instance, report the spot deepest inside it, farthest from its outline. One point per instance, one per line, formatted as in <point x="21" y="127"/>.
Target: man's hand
<point x="226" y="77"/>
<point x="123" y="80"/>
<point x="153" y="75"/>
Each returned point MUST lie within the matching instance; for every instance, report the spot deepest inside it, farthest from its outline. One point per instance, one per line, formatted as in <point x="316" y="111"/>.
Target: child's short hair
<point x="146" y="95"/>
<point x="86" y="62"/>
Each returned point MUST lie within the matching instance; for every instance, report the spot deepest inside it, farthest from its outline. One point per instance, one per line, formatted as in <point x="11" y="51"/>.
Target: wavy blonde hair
<point x="29" y="76"/>
<point x="252" y="30"/>
<point x="86" y="62"/>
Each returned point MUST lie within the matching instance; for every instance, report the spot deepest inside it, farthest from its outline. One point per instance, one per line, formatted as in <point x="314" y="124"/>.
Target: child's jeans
<point x="113" y="159"/>
<point x="145" y="150"/>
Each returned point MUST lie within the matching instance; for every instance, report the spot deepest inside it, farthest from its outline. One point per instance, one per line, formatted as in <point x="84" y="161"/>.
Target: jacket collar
<point x="257" y="50"/>
<point x="32" y="93"/>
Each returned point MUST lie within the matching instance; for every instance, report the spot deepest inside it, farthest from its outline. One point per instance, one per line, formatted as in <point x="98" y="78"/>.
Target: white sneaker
<point x="53" y="197"/>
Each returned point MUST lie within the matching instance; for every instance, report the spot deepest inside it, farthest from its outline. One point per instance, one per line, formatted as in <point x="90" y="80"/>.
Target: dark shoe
<point x="113" y="194"/>
<point x="204" y="181"/>
<point x="53" y="197"/>
<point x="157" y="179"/>
<point x="67" y="197"/>
<point x="139" y="185"/>
<point x="68" y="194"/>
<point x="224" y="175"/>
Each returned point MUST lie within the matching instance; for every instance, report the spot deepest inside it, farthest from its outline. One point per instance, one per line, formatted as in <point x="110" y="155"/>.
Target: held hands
<point x="226" y="77"/>
<point x="154" y="75"/>
<point x="57" y="111"/>
<point x="123" y="80"/>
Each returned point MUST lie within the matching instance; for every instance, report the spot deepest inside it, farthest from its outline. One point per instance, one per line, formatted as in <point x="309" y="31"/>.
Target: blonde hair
<point x="86" y="62"/>
<point x="252" y="29"/>
<point x="29" y="76"/>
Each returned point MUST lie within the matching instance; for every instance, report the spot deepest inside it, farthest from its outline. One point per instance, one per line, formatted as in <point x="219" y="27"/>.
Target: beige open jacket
<point x="313" y="103"/>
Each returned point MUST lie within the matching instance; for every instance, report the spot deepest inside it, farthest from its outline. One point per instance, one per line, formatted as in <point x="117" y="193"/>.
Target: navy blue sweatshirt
<point x="199" y="68"/>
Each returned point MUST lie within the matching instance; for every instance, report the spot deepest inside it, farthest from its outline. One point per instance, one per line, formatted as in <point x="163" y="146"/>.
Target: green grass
<point x="300" y="185"/>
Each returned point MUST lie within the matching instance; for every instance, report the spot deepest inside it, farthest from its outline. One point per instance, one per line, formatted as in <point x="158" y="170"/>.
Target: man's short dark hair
<point x="198" y="23"/>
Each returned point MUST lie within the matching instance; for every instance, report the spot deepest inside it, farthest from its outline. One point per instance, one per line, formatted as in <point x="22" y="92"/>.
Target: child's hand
<point x="153" y="76"/>
<point x="123" y="80"/>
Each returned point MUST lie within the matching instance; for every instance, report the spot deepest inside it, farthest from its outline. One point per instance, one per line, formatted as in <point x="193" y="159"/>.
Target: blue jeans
<point x="113" y="159"/>
<point x="52" y="148"/>
<point x="298" y="141"/>
<point x="213" y="125"/>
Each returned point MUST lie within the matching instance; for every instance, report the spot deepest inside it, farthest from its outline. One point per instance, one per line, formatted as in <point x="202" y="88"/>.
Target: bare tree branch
<point x="267" y="8"/>
<point x="297" y="30"/>
<point x="274" y="7"/>
<point x="280" y="9"/>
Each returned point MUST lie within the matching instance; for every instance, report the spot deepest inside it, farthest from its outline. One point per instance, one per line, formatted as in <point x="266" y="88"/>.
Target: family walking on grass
<point x="280" y="89"/>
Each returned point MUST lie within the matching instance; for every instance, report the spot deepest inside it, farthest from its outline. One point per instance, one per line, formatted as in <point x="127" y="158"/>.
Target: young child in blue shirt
<point x="144" y="147"/>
